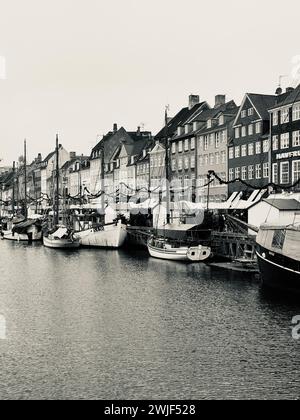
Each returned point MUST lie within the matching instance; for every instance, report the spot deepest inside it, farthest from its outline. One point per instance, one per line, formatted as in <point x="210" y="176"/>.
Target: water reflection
<point x="109" y="324"/>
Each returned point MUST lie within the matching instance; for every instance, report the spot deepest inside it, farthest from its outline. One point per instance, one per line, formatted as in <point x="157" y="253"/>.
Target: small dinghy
<point x="61" y="238"/>
<point x="165" y="250"/>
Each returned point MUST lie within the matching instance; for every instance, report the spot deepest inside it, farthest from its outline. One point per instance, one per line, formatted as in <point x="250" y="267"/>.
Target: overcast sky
<point x="78" y="66"/>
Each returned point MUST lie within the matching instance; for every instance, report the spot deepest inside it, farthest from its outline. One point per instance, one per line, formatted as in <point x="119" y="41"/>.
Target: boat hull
<point x="9" y="236"/>
<point x="275" y="275"/>
<point x="60" y="243"/>
<point x="175" y="254"/>
<point x="111" y="237"/>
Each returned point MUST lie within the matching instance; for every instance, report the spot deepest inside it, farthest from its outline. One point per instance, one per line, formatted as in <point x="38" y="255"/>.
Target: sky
<point x="76" y="67"/>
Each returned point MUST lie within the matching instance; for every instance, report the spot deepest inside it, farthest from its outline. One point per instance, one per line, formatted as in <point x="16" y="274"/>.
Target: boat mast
<point x="102" y="180"/>
<point x="167" y="164"/>
<point x="14" y="189"/>
<point x="56" y="205"/>
<point x="25" y="178"/>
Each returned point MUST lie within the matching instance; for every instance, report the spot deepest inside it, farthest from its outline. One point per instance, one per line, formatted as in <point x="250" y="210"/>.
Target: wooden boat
<point x="107" y="236"/>
<point x="61" y="238"/>
<point x="278" y="253"/>
<point x="165" y="250"/>
<point x="26" y="231"/>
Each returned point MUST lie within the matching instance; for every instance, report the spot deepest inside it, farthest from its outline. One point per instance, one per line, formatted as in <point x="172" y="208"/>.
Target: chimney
<point x="289" y="89"/>
<point x="39" y="157"/>
<point x="72" y="155"/>
<point x="115" y="128"/>
<point x="220" y="100"/>
<point x="193" y="100"/>
<point x="138" y="131"/>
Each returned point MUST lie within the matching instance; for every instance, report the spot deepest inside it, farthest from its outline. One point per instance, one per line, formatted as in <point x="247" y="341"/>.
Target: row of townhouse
<point x="266" y="144"/>
<point x="257" y="142"/>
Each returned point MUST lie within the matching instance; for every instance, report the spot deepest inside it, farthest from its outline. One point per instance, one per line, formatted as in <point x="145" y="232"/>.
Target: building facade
<point x="249" y="150"/>
<point x="285" y="135"/>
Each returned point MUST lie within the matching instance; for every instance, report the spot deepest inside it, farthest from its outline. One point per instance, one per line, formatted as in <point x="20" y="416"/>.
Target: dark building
<point x="249" y="150"/>
<point x="285" y="134"/>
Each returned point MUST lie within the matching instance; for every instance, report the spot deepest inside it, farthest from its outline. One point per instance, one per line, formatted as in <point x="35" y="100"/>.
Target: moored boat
<point x="278" y="252"/>
<point x="61" y="238"/>
<point x="108" y="236"/>
<point x="166" y="250"/>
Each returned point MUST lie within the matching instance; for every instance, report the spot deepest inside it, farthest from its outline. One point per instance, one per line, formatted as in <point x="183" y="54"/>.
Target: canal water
<point x="97" y="324"/>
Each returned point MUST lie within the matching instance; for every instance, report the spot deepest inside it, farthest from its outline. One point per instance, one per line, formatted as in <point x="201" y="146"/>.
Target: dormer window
<point x="132" y="160"/>
<point x="221" y="120"/>
<point x="195" y="126"/>
<point x="144" y="153"/>
<point x="179" y="131"/>
<point x="187" y="129"/>
<point x="209" y="123"/>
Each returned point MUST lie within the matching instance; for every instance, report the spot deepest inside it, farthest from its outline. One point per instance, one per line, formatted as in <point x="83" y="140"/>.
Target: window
<point x="206" y="160"/>
<point x="258" y="148"/>
<point x="275" y="142"/>
<point x="180" y="166"/>
<point x="205" y="144"/>
<point x="174" y="165"/>
<point x="251" y="149"/>
<point x="186" y="163"/>
<point x="201" y="160"/>
<point x="244" y="150"/>
<point x="251" y="172"/>
<point x="251" y="130"/>
<point x="266" y="170"/>
<point x="237" y="133"/>
<point x="193" y="143"/>
<point x="187" y="129"/>
<point x="285" y="115"/>
<point x="275" y="118"/>
<point x="231" y="174"/>
<point x="193" y="162"/>
<point x="275" y="178"/>
<point x="285" y="173"/>
<point x="244" y="131"/>
<point x="296" y="112"/>
<point x="296" y="171"/>
<point x="250" y="112"/>
<point x="223" y="157"/>
<point x="180" y="147"/>
<point x="285" y="141"/>
<point x="266" y="146"/>
<point x="278" y="239"/>
<point x="258" y="171"/>
<point x="231" y="153"/>
<point x="237" y="152"/>
<point x="237" y="173"/>
<point x="211" y="159"/>
<point x="186" y="145"/>
<point x="221" y="120"/>
<point x="258" y="128"/>
<point x="244" y="114"/>
<point x="173" y="148"/>
<point x="217" y="141"/>
<point x="209" y="123"/>
<point x="244" y="173"/>
<point x="217" y="158"/>
<point x="296" y="138"/>
<point x="223" y="136"/>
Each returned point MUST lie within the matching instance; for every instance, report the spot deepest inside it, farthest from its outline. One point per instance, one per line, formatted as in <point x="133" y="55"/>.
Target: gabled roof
<point x="70" y="162"/>
<point x="284" y="204"/>
<point x="261" y="103"/>
<point x="179" y="120"/>
<point x="288" y="98"/>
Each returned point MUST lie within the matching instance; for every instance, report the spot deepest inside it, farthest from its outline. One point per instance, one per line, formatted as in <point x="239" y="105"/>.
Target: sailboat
<point x="112" y="235"/>
<point x="164" y="248"/>
<point x="60" y="237"/>
<point x="22" y="229"/>
<point x="107" y="235"/>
